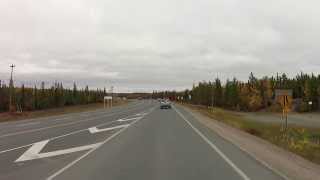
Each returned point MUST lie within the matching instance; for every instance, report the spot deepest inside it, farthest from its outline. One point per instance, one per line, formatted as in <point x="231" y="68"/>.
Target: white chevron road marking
<point x="34" y="151"/>
<point x="94" y="130"/>
<point x="130" y="119"/>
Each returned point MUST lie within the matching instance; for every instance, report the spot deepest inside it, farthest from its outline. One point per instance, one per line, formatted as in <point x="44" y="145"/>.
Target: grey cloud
<point x="151" y="44"/>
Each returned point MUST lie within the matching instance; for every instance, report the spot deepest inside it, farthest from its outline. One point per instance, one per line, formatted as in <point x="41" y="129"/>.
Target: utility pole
<point x="212" y="91"/>
<point x="11" y="108"/>
<point x="111" y="90"/>
<point x="212" y="97"/>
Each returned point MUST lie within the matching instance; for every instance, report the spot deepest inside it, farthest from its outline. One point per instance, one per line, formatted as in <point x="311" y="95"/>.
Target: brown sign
<point x="284" y="97"/>
<point x="283" y="92"/>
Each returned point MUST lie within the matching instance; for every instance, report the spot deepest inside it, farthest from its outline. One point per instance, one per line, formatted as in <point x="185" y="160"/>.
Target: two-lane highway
<point x="137" y="141"/>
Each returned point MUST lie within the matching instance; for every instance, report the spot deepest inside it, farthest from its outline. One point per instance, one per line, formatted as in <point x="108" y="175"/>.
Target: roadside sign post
<point x="107" y="99"/>
<point x="310" y="104"/>
<point x="285" y="110"/>
<point x="283" y="95"/>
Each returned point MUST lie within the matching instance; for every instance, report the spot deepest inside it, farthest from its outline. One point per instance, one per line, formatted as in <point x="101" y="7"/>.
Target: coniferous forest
<point x="252" y="95"/>
<point x="38" y="98"/>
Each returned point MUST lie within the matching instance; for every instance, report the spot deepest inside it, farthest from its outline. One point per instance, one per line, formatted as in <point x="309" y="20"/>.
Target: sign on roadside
<point x="284" y="98"/>
<point x="107" y="99"/>
<point x="283" y="92"/>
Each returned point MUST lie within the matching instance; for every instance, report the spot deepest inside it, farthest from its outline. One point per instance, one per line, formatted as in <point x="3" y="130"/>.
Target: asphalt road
<point x="137" y="141"/>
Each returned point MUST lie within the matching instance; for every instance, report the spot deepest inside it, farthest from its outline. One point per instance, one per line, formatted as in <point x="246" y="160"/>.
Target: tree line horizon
<point x="39" y="98"/>
<point x="251" y="95"/>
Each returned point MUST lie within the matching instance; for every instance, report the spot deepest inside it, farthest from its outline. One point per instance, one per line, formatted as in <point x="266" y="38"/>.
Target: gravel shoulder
<point x="284" y="163"/>
<point x="299" y="119"/>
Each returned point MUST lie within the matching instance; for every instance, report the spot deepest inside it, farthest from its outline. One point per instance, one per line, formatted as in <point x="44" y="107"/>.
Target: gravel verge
<point x="282" y="162"/>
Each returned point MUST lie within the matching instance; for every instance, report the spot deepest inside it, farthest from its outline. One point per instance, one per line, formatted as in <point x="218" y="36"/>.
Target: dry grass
<point x="54" y="111"/>
<point x="299" y="140"/>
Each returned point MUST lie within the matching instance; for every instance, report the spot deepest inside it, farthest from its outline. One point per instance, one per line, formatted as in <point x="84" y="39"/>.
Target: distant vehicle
<point x="165" y="104"/>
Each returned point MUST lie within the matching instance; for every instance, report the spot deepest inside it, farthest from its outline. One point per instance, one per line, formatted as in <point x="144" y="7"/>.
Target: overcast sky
<point x="141" y="45"/>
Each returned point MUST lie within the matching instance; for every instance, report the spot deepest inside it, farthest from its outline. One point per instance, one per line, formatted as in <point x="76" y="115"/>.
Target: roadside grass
<point x="54" y="111"/>
<point x="299" y="140"/>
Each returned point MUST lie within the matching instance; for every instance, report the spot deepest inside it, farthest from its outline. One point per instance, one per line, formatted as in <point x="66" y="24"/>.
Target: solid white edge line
<point x="89" y="152"/>
<point x="263" y="163"/>
<point x="214" y="147"/>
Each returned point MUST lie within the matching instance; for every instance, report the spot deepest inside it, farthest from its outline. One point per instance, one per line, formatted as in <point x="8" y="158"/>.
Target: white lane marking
<point x="59" y="125"/>
<point x="285" y="177"/>
<point x="57" y="137"/>
<point x="27" y="124"/>
<point x="214" y="147"/>
<point x="94" y="130"/>
<point x="89" y="152"/>
<point x="141" y="114"/>
<point x="130" y="119"/>
<point x="12" y="149"/>
<point x="34" y="151"/>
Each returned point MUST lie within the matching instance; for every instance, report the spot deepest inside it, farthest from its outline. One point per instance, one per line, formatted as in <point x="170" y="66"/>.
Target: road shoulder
<point x="284" y="163"/>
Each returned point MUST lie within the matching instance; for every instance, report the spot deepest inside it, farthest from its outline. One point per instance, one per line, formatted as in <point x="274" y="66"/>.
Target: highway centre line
<point x="57" y="137"/>
<point x="214" y="147"/>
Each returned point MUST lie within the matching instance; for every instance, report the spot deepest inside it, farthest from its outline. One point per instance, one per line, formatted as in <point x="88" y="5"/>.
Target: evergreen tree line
<point x="252" y="95"/>
<point x="37" y="98"/>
